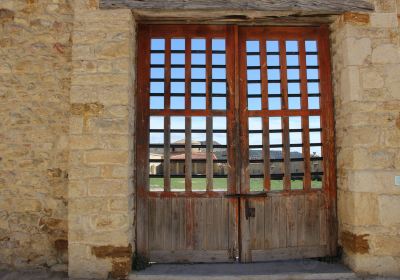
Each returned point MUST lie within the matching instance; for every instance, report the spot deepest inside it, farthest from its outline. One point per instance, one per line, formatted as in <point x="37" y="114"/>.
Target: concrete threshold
<point x="279" y="270"/>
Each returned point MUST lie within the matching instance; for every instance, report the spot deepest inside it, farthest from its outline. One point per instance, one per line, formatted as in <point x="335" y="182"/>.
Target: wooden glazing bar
<point x="265" y="120"/>
<point x="167" y="154"/>
<point x="230" y="113"/>
<point x="266" y="154"/>
<point x="285" y="120"/>
<point x="243" y="119"/>
<point x="209" y="153"/>
<point x="305" y="119"/>
<point x="167" y="119"/>
<point x="188" y="154"/>
<point x="188" y="119"/>
<point x="208" y="74"/>
<point x="188" y="74"/>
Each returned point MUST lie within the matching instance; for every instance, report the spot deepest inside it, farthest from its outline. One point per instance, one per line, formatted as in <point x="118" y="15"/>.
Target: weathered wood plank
<point x="322" y="6"/>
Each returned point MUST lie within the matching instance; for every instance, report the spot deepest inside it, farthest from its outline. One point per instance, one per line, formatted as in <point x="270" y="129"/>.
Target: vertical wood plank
<point x="282" y="222"/>
<point x="268" y="223"/>
<point x="275" y="221"/>
<point x="258" y="224"/>
<point x="167" y="120"/>
<point x="152" y="223"/>
<point x="190" y="223"/>
<point x="291" y="208"/>
<point x="301" y="234"/>
<point x="322" y="220"/>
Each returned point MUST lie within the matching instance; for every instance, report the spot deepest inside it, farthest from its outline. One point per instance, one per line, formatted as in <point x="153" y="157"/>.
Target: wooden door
<point x="186" y="144"/>
<point x="287" y="148"/>
<point x="234" y="144"/>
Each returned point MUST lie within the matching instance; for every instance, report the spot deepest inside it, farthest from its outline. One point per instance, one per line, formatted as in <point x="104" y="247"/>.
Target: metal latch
<point x="249" y="211"/>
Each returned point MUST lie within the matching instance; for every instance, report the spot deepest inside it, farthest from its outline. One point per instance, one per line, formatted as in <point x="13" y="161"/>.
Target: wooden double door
<point x="234" y="144"/>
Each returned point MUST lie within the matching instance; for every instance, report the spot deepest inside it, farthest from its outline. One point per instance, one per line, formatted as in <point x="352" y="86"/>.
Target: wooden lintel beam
<point x="273" y="6"/>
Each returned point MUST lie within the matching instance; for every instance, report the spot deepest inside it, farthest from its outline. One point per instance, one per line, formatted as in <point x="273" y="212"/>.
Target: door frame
<point x="236" y="94"/>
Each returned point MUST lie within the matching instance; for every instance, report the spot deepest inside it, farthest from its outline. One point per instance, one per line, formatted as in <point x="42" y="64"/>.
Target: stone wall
<point x="35" y="69"/>
<point x="366" y="68"/>
<point x="100" y="206"/>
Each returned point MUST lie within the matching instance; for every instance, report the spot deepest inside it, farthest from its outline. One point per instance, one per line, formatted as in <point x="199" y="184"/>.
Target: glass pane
<point x="156" y="102"/>
<point x="198" y="103"/>
<point x="177" y="73"/>
<point x="292" y="60"/>
<point x="252" y="46"/>
<point x="178" y="58"/>
<point x="157" y="58"/>
<point x="218" y="59"/>
<point x="272" y="46"/>
<point x="198" y="59"/>
<point x="177" y="102"/>
<point x="254" y="104"/>
<point x="294" y="103"/>
<point x="219" y="103"/>
<point x="292" y="46"/>
<point x="313" y="102"/>
<point x="157" y="73"/>
<point x="198" y="73"/>
<point x="178" y="44"/>
<point x="311" y="46"/>
<point x="199" y="44"/>
<point x="312" y="60"/>
<point x="157" y="44"/>
<point x="218" y="44"/>
<point x="274" y="103"/>
<point x="253" y="60"/>
<point x="315" y="122"/>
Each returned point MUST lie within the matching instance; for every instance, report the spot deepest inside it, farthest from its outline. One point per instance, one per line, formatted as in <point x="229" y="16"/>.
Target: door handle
<point x="250" y="212"/>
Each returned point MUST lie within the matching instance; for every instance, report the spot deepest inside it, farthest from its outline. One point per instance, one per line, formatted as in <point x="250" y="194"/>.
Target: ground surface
<point x="304" y="269"/>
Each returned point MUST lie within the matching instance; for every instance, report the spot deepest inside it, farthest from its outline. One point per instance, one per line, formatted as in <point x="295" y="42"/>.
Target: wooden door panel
<point x="191" y="229"/>
<point x="285" y="227"/>
<point x="286" y="144"/>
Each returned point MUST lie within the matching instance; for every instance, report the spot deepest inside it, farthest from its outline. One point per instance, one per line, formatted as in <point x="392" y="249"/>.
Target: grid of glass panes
<point x="301" y="93"/>
<point x="188" y="75"/>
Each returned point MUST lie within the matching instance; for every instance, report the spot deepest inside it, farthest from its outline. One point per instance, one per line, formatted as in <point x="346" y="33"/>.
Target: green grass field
<point x="220" y="184"/>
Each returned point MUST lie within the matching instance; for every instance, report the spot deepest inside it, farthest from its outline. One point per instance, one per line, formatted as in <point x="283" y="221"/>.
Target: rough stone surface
<point x="100" y="206"/>
<point x="367" y="101"/>
<point x="35" y="76"/>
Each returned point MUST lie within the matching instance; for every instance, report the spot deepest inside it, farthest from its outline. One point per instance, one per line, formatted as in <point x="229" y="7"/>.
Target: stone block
<point x="350" y="84"/>
<point x="385" y="54"/>
<point x="372" y="79"/>
<point x="389" y="209"/>
<point x="107" y="187"/>
<point x="356" y="18"/>
<point x="109" y="222"/>
<point x="364" y="50"/>
<point x="384" y="20"/>
<point x="358" y="209"/>
<point x="83" y="142"/>
<point x="106" y="157"/>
